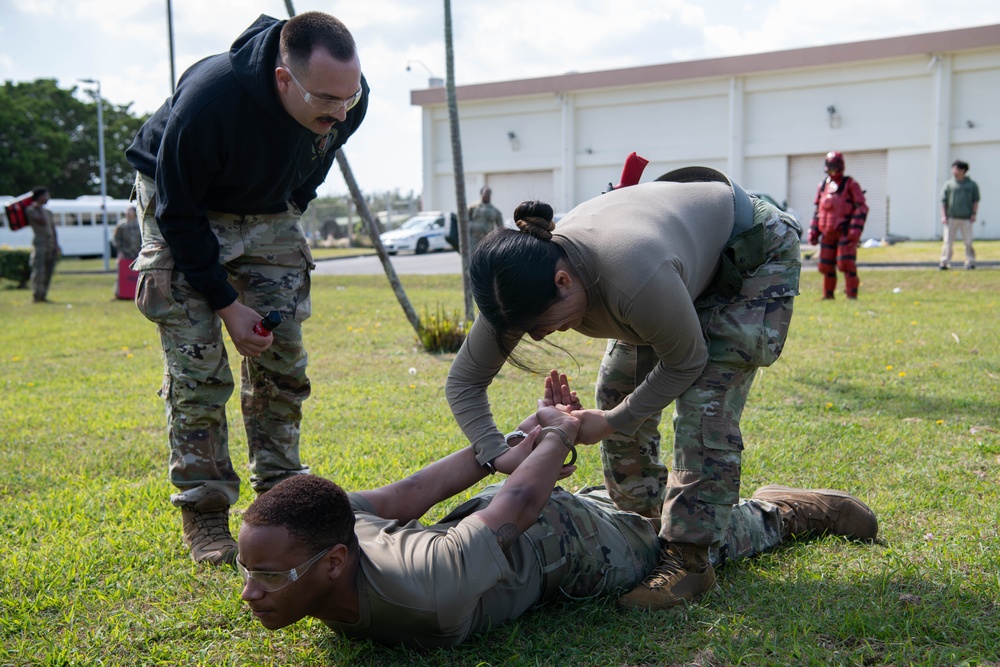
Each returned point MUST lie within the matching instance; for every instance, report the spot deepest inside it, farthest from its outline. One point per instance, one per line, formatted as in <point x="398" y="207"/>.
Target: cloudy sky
<point x="124" y="44"/>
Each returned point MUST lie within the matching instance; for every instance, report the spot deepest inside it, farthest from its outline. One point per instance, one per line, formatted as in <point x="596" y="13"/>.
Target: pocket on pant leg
<point x="721" y="462"/>
<point x="749" y="333"/>
<point x="303" y="300"/>
<point x="773" y="330"/>
<point x="154" y="297"/>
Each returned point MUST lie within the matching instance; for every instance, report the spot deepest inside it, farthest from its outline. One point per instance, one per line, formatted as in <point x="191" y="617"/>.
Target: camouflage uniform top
<point x="43" y="227"/>
<point x="128" y="239"/>
<point x="485" y="215"/>
<point x="644" y="253"/>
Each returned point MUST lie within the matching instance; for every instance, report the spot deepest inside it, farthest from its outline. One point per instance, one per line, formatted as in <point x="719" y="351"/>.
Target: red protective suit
<point x="839" y="219"/>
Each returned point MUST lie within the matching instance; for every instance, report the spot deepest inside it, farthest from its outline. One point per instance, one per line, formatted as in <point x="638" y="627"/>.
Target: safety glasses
<point x="323" y="104"/>
<point x="275" y="581"/>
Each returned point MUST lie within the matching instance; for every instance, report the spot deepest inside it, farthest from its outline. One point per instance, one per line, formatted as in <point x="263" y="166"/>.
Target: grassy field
<point x="893" y="397"/>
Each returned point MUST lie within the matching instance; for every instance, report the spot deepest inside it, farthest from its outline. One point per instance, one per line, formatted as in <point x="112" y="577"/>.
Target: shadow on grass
<point x="898" y="400"/>
<point x="888" y="616"/>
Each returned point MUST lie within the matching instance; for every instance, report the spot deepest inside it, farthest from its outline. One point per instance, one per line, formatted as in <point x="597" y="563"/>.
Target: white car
<point x="422" y="233"/>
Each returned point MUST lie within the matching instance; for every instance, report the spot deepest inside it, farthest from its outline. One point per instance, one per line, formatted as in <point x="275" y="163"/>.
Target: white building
<point x="900" y="109"/>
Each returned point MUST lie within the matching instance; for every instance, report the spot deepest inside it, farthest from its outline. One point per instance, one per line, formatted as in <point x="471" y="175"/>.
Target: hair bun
<point x="535" y="218"/>
<point x="540" y="228"/>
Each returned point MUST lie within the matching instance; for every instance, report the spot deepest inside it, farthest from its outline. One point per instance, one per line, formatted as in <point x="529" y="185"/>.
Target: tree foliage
<point x="49" y="137"/>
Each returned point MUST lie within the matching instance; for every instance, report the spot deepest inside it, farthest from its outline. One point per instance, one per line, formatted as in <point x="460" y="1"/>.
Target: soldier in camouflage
<point x="226" y="167"/>
<point x="127" y="241"/>
<point x="692" y="282"/>
<point x="382" y="575"/>
<point x="484" y="217"/>
<point x="128" y="237"/>
<point x="44" y="245"/>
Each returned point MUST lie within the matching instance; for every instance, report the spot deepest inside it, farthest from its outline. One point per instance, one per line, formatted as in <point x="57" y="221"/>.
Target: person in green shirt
<point x="959" y="205"/>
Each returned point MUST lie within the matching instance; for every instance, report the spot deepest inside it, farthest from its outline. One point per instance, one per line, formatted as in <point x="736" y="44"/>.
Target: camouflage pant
<point x="743" y="333"/>
<point x="43" y="265"/>
<point x="268" y="262"/>
<point x="596" y="549"/>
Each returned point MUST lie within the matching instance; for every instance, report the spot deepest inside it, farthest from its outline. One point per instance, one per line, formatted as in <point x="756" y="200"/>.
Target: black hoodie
<point x="224" y="143"/>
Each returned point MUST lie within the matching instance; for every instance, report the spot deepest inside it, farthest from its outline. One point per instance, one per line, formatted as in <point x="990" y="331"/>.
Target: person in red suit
<point x="837" y="224"/>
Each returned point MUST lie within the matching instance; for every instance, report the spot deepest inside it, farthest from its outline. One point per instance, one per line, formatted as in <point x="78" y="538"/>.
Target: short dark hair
<point x="305" y="32"/>
<point x="315" y="511"/>
<point x="961" y="164"/>
<point x="38" y="191"/>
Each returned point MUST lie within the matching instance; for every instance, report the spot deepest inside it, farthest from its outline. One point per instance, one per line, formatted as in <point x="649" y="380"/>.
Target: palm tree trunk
<point x="457" y="166"/>
<point x="373" y="232"/>
<point x="362" y="207"/>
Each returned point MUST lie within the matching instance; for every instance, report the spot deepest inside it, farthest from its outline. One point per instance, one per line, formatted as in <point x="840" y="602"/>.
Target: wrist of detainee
<point x="561" y="434"/>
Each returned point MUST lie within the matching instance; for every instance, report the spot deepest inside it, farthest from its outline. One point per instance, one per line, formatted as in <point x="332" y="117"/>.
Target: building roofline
<point x="962" y="39"/>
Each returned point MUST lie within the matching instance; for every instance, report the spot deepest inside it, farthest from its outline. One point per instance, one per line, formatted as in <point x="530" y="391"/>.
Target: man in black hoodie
<point x="226" y="167"/>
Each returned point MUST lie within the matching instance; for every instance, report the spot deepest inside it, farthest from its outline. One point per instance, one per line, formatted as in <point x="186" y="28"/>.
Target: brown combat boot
<point x="820" y="511"/>
<point x="206" y="530"/>
<point x="682" y="576"/>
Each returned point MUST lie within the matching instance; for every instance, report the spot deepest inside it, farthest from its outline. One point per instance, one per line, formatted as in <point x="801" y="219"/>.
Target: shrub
<point x="15" y="264"/>
<point x="442" y="332"/>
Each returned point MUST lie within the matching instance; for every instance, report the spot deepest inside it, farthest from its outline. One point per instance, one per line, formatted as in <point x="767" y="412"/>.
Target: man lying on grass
<point x="363" y="564"/>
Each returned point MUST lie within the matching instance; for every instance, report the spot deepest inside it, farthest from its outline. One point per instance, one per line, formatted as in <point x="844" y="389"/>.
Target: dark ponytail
<point x="512" y="273"/>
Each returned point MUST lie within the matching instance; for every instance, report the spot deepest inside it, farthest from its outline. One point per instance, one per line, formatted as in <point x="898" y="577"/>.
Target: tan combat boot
<point x="820" y="511"/>
<point x="206" y="530"/>
<point x="682" y="576"/>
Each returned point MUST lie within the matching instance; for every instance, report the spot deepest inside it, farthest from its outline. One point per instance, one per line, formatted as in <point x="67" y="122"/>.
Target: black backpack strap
<point x="742" y="206"/>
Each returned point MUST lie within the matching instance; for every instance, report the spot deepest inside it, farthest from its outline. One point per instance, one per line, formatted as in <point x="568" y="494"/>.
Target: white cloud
<point x="124" y="44"/>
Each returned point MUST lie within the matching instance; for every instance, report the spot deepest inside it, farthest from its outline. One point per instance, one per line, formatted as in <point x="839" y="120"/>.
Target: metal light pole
<point x="432" y="81"/>
<point x="170" y="40"/>
<point x="104" y="180"/>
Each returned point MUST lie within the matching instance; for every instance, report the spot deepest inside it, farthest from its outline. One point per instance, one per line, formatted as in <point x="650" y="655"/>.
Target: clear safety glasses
<point x="322" y="103"/>
<point x="275" y="581"/>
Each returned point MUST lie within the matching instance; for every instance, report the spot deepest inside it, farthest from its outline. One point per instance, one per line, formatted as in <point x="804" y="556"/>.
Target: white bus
<point x="79" y="225"/>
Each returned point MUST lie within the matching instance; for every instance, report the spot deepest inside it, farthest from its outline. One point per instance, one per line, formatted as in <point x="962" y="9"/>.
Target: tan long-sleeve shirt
<point x="644" y="254"/>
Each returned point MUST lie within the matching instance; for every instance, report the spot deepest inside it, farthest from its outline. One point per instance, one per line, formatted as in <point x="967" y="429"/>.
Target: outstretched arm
<point x="411" y="497"/>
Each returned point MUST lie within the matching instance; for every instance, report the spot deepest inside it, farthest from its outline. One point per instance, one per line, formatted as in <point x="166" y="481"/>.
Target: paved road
<point x="449" y="262"/>
<point x="428" y="264"/>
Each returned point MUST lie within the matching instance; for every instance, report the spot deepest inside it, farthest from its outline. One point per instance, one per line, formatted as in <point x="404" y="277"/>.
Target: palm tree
<point x="362" y="207"/>
<point x="458" y="167"/>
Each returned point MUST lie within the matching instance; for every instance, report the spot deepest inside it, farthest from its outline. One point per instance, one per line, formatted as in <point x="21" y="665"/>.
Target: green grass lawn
<point x="893" y="397"/>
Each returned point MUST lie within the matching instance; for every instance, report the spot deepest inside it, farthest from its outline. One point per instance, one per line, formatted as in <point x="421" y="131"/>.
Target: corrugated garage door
<point x="868" y="168"/>
<point x="511" y="189"/>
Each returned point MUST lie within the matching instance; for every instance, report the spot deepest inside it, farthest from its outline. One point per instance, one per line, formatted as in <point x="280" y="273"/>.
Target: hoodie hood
<point x="253" y="56"/>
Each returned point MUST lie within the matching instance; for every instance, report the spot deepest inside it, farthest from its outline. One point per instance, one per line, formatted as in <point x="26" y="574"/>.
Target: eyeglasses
<point x="275" y="581"/>
<point x="322" y="103"/>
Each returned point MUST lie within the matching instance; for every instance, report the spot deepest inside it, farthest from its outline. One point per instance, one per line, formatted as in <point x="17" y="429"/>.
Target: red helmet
<point x="835" y="161"/>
